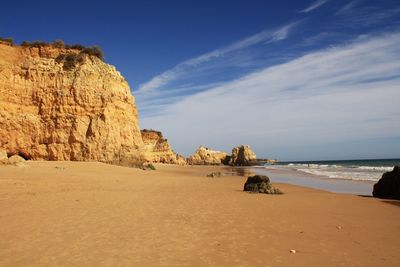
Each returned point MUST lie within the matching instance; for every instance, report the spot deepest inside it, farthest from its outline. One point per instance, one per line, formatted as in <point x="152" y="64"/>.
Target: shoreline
<point x="335" y="185"/>
<point x="91" y="214"/>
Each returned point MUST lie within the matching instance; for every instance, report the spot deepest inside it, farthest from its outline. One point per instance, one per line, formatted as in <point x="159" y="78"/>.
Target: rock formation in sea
<point x="157" y="148"/>
<point x="242" y="156"/>
<point x="207" y="156"/>
<point x="389" y="185"/>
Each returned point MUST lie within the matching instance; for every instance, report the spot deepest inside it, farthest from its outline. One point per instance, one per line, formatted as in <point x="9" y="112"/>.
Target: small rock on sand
<point x="16" y="160"/>
<point x="3" y="156"/>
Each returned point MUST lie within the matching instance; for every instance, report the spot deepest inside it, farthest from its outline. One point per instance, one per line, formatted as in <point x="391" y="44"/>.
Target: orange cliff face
<point x="157" y="149"/>
<point x="51" y="110"/>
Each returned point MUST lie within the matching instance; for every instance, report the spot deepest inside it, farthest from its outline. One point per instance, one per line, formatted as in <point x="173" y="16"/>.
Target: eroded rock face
<point x="389" y="185"/>
<point x="51" y="112"/>
<point x="243" y="156"/>
<point x="157" y="148"/>
<point x="206" y="156"/>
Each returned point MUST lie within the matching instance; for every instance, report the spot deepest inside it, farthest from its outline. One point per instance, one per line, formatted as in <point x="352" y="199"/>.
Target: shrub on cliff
<point x="75" y="46"/>
<point x="34" y="44"/>
<point x="58" y="43"/>
<point x="70" y="61"/>
<point x="7" y="40"/>
<point x="94" y="51"/>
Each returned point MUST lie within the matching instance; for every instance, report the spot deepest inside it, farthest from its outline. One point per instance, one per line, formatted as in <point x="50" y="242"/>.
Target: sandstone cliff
<point x="157" y="148"/>
<point x="55" y="108"/>
<point x="206" y="156"/>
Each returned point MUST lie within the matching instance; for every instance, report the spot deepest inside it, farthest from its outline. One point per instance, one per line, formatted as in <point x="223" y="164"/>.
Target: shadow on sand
<point x="384" y="200"/>
<point x="238" y="171"/>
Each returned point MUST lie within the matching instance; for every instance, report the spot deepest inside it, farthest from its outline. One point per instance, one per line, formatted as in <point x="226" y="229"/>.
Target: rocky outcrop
<point x="180" y="160"/>
<point x="16" y="160"/>
<point x="243" y="156"/>
<point x="389" y="185"/>
<point x="3" y="156"/>
<point x="260" y="184"/>
<point x="157" y="148"/>
<point x="13" y="160"/>
<point x="214" y="174"/>
<point x="206" y="156"/>
<point x="52" y="108"/>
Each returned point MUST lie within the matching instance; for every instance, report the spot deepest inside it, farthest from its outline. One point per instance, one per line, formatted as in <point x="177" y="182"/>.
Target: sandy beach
<point x="94" y="214"/>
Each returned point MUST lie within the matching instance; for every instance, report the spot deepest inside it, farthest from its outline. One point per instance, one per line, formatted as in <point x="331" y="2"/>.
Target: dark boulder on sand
<point x="260" y="184"/>
<point x="389" y="185"/>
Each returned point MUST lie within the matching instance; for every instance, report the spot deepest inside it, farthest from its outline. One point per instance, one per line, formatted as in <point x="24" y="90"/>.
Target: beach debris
<point x="214" y="174"/>
<point x="260" y="184"/>
<point x="389" y="185"/>
<point x="339" y="227"/>
<point x="148" y="166"/>
<point x="293" y="251"/>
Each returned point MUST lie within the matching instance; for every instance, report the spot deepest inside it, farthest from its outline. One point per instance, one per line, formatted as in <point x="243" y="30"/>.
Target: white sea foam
<point x="357" y="176"/>
<point x="373" y="168"/>
<point x="350" y="172"/>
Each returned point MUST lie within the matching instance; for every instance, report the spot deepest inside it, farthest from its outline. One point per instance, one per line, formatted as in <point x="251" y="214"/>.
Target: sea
<point x="358" y="170"/>
<point x="340" y="176"/>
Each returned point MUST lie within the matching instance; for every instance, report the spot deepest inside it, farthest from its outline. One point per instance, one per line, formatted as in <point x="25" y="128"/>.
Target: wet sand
<point x="300" y="178"/>
<point x="93" y="214"/>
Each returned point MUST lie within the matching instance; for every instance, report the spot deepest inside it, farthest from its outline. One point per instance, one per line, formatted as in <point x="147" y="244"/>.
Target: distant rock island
<point x="241" y="155"/>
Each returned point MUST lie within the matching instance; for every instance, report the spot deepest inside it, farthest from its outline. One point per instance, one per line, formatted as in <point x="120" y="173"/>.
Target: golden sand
<point x="93" y="214"/>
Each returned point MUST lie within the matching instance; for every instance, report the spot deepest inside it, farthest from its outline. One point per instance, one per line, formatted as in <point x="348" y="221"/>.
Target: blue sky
<point x="296" y="80"/>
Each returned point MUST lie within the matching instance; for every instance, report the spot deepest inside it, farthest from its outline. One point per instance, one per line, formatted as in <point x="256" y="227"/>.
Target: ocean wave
<point x="334" y="166"/>
<point x="314" y="166"/>
<point x="356" y="176"/>
<point x="374" y="168"/>
<point x="349" y="172"/>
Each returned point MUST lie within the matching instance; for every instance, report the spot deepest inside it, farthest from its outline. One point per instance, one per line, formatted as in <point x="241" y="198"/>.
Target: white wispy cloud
<point x="313" y="6"/>
<point x="343" y="93"/>
<point x="282" y="33"/>
<point x="350" y="5"/>
<point x="354" y="15"/>
<point x="267" y="36"/>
